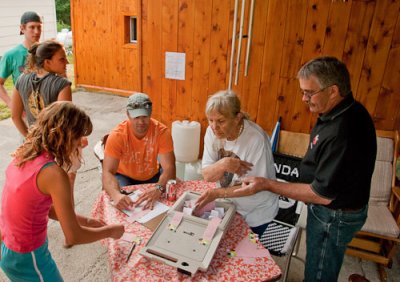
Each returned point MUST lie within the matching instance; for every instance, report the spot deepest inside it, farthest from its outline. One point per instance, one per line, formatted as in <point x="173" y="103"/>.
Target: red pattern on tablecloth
<point x="138" y="268"/>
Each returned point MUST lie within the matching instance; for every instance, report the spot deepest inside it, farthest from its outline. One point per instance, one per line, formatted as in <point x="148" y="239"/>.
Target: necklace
<point x="240" y="129"/>
<point x="239" y="132"/>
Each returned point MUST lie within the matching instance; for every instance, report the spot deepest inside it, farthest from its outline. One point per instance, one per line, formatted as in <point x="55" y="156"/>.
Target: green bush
<point x="62" y="25"/>
<point x="4" y="110"/>
<point x="63" y="14"/>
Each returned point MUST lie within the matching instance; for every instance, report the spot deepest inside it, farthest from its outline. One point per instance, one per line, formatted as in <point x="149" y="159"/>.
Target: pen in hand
<point x="130" y="251"/>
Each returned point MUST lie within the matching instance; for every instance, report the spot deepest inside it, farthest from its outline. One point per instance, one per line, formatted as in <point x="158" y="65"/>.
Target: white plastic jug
<point x="186" y="137"/>
<point x="193" y="171"/>
<point x="188" y="171"/>
<point x="180" y="170"/>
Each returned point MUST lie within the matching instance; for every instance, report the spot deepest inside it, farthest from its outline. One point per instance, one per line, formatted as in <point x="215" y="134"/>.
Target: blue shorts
<point x="124" y="180"/>
<point x="37" y="265"/>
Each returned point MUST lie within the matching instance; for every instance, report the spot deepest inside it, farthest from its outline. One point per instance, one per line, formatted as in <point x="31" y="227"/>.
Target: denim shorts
<point x="37" y="265"/>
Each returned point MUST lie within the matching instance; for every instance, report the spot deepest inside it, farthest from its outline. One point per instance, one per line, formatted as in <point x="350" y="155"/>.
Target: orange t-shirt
<point x="138" y="157"/>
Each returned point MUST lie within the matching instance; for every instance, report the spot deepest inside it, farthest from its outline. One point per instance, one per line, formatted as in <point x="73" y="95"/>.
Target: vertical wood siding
<point x="364" y="34"/>
<point x="103" y="58"/>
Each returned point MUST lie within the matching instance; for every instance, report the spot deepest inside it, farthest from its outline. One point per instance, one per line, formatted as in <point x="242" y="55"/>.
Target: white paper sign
<point x="175" y="65"/>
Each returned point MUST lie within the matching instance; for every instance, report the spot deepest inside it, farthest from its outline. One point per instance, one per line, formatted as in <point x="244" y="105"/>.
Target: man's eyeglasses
<point x="309" y="93"/>
<point x="145" y="105"/>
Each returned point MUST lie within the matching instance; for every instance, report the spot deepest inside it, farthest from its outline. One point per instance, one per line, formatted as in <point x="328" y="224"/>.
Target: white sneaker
<point x="98" y="150"/>
<point x="100" y="168"/>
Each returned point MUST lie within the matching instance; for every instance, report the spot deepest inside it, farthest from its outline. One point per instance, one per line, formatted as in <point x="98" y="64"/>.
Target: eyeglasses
<point x="145" y="105"/>
<point x="309" y="93"/>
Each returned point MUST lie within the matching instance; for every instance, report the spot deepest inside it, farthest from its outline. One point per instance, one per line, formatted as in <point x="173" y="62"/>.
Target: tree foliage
<point x="63" y="14"/>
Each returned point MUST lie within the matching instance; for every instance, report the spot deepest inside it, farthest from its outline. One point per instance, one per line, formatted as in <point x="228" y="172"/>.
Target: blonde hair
<point x="55" y="130"/>
<point x="225" y="102"/>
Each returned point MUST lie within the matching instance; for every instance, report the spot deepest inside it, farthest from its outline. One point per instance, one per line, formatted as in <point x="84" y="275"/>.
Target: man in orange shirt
<point x="138" y="150"/>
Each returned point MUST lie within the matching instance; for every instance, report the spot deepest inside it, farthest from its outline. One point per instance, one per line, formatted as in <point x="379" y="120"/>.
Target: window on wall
<point x="130" y="23"/>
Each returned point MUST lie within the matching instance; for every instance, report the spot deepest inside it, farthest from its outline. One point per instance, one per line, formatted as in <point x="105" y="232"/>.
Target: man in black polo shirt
<point x="336" y="171"/>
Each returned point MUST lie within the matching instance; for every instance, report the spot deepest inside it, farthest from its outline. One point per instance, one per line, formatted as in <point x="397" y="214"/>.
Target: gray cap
<point x="30" y="16"/>
<point x="139" y="104"/>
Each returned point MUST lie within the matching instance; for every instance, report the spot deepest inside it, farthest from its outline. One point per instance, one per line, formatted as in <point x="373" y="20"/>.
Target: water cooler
<point x="186" y="137"/>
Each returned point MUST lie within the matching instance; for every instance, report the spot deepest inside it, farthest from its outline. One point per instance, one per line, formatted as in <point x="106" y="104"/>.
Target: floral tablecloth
<point x="139" y="268"/>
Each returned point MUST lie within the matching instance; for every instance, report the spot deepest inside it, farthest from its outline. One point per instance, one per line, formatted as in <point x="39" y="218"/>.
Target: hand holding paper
<point x="208" y="196"/>
<point x="122" y="202"/>
<point x="148" y="197"/>
<point x="142" y="215"/>
<point x="200" y="211"/>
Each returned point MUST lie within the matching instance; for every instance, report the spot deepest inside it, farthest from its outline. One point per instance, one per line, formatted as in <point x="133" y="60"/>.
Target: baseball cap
<point x="30" y="16"/>
<point x="139" y="104"/>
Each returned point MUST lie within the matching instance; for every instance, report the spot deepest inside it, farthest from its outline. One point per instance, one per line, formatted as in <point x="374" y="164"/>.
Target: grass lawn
<point x="5" y="111"/>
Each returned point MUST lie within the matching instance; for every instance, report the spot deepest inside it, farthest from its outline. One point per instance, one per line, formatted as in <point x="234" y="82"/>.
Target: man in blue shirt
<point x="14" y="60"/>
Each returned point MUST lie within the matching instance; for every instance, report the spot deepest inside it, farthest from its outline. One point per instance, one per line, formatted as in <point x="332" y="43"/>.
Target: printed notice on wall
<point x="175" y="65"/>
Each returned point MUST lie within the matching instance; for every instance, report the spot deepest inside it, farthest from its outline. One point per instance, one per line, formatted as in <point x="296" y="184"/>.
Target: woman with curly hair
<point x="36" y="188"/>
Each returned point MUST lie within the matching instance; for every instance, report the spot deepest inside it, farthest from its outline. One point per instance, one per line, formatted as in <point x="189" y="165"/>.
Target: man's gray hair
<point x="328" y="71"/>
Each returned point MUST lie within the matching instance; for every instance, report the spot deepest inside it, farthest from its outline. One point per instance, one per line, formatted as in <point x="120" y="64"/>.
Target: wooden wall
<point x="364" y="34"/>
<point x="103" y="59"/>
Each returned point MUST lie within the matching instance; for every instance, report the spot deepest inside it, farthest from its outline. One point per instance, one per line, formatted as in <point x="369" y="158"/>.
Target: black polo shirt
<point x="341" y="156"/>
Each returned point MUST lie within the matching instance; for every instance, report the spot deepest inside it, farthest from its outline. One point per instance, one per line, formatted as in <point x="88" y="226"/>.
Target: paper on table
<point x="137" y="215"/>
<point x="248" y="249"/>
<point x="129" y="237"/>
<point x="187" y="211"/>
<point x="158" y="209"/>
<point x="211" y="229"/>
<point x="249" y="260"/>
<point x="210" y="206"/>
<point x="175" y="221"/>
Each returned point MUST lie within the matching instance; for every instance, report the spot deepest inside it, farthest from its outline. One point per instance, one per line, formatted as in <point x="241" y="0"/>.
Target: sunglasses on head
<point x="145" y="105"/>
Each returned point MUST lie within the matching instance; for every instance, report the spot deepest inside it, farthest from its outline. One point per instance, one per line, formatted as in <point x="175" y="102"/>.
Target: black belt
<point x="347" y="209"/>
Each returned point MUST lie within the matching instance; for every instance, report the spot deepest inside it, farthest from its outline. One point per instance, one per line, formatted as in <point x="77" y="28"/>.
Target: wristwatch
<point x="160" y="187"/>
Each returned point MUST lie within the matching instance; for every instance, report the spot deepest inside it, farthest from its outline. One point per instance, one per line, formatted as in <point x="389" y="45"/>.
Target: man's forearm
<point x="110" y="184"/>
<point x="297" y="191"/>
<point x="165" y="176"/>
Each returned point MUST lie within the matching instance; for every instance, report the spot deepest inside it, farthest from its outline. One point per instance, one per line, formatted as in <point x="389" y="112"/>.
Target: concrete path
<point x="89" y="262"/>
<point x="84" y="262"/>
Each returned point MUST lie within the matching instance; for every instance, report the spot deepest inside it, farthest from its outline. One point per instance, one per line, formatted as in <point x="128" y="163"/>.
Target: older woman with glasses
<point x="234" y="146"/>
